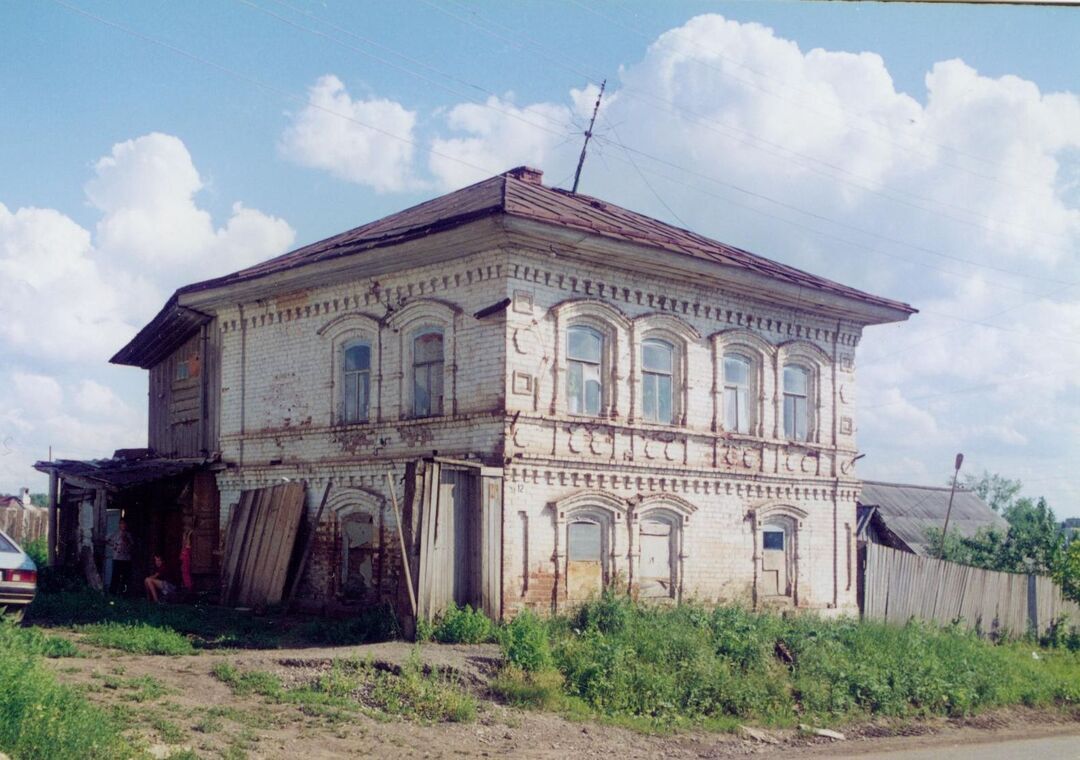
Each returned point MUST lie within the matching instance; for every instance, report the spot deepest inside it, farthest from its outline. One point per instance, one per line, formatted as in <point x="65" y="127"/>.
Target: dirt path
<point x="176" y="702"/>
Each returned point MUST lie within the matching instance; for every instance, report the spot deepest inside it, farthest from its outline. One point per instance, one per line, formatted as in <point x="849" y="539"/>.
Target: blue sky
<point x="953" y="186"/>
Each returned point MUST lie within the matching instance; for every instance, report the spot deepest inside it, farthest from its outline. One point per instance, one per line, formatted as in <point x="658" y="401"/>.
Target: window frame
<point x="673" y="376"/>
<point x="415" y="336"/>
<point x="807" y="395"/>
<point x="749" y="403"/>
<point x="600" y="368"/>
<point x="346" y="345"/>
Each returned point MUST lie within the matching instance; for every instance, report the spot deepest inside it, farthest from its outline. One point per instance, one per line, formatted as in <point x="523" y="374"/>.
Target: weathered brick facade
<point x="675" y="510"/>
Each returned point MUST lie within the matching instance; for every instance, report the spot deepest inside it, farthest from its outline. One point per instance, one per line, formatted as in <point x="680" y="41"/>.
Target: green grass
<point x="137" y="638"/>
<point x="207" y="626"/>
<point x="690" y="665"/>
<point x="458" y="625"/>
<point x="40" y="718"/>
<point x="354" y="685"/>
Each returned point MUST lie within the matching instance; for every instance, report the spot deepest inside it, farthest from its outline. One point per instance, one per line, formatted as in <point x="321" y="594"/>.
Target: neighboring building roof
<point x="517" y="193"/>
<point x="127" y="468"/>
<point x="908" y="510"/>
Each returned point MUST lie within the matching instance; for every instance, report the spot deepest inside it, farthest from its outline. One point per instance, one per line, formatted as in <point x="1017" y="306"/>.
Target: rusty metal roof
<point x="908" y="510"/>
<point x="518" y="193"/>
<point x="119" y="472"/>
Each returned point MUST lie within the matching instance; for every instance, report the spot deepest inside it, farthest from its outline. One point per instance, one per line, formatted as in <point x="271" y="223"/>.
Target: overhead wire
<point x="723" y="128"/>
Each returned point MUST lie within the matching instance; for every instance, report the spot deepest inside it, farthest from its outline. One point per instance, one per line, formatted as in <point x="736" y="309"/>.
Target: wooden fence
<point x="899" y="586"/>
<point x="24" y="525"/>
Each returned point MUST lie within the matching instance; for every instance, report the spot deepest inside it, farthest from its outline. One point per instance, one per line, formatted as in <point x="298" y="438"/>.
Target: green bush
<point x="693" y="665"/>
<point x="40" y="718"/>
<point x="463" y="625"/>
<point x="38" y="549"/>
<point x="525" y="644"/>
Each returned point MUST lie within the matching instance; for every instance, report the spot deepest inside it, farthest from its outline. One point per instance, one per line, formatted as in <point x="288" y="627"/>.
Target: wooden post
<point x="401" y="540"/>
<point x="948" y="511"/>
<point x="54" y="487"/>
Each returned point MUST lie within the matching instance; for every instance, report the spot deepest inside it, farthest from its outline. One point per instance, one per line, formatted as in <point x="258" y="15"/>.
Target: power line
<point x="267" y="87"/>
<point x="561" y="131"/>
<point x="515" y="38"/>
<point x="854" y="228"/>
<point x="800" y="104"/>
<point x="641" y="174"/>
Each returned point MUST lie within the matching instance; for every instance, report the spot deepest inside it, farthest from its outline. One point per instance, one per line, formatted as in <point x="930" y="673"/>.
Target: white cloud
<point x="146" y="190"/>
<point x="330" y="133"/>
<point x="72" y="298"/>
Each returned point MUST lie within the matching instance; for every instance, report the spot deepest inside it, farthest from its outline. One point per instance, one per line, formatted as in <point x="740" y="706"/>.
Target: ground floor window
<point x="584" y="559"/>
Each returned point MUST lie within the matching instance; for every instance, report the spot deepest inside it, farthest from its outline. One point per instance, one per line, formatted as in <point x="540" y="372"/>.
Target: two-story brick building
<point x="594" y="398"/>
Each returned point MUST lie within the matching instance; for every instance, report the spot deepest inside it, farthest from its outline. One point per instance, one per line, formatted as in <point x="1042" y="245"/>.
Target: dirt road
<point x="176" y="703"/>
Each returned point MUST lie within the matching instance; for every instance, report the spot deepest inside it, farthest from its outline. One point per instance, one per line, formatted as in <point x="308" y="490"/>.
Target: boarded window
<point x="584" y="566"/>
<point x="358" y="551"/>
<point x="657" y="570"/>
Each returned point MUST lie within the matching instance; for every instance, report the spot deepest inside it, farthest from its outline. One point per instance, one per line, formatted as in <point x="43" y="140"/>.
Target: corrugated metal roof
<point x="517" y="193"/>
<point x="908" y="510"/>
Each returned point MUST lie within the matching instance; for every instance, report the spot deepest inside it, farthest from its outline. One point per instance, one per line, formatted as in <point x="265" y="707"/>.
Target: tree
<point x="1068" y="572"/>
<point x="39" y="499"/>
<point x="994" y="489"/>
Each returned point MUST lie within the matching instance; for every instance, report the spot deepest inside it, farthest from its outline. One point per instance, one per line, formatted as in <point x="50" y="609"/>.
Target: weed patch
<point x="137" y="638"/>
<point x="40" y="718"/>
<point x="665" y="667"/>
<point x="459" y="625"/>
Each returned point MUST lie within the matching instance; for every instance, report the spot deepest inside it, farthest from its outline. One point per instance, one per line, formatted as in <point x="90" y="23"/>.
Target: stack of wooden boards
<point x="259" y="544"/>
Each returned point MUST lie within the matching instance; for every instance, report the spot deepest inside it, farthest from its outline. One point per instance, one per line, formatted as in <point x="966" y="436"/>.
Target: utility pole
<point x="948" y="512"/>
<point x="588" y="134"/>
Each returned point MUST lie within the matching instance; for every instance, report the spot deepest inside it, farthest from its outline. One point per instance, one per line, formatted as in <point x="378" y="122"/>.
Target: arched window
<point x="428" y="373"/>
<point x="657" y="370"/>
<point x="737" y="371"/>
<point x="584" y="386"/>
<point x="796" y="398"/>
<point x="356" y="381"/>
<point x="584" y="558"/>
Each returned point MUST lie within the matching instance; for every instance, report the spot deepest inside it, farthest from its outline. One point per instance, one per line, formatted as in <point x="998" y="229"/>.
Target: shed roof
<point x="518" y="193"/>
<point x="908" y="510"/>
<point x="125" y="470"/>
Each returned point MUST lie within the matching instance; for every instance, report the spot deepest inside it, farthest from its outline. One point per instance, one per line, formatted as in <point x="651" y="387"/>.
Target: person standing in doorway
<point x="121" y="544"/>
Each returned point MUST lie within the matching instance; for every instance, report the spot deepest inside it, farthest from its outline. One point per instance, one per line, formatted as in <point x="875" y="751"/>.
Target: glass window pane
<point x="428" y="348"/>
<point x="575" y="388"/>
<point x="584" y="344"/>
<point x="421" y="392"/>
<point x="435" y="375"/>
<point x="357" y="357"/>
<point x="731" y="409"/>
<point x="742" y="411"/>
<point x="648" y="394"/>
<point x="795" y="380"/>
<point x="592" y="397"/>
<point x="363" y="378"/>
<point x="657" y="356"/>
<point x="800" y="419"/>
<point x="773" y="540"/>
<point x="736" y="370"/>
<point x="789" y="417"/>
<point x="666" y="410"/>
<point x="351" y="411"/>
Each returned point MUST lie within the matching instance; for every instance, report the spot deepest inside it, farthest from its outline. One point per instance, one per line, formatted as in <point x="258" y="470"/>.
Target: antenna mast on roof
<point x="588" y="134"/>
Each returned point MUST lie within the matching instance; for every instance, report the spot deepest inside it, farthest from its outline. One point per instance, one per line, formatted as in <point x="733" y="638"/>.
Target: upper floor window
<point x="657" y="368"/>
<point x="584" y="387"/>
<point x="356" y="367"/>
<point x="428" y="374"/>
<point x="796" y="397"/>
<point x="736" y="393"/>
